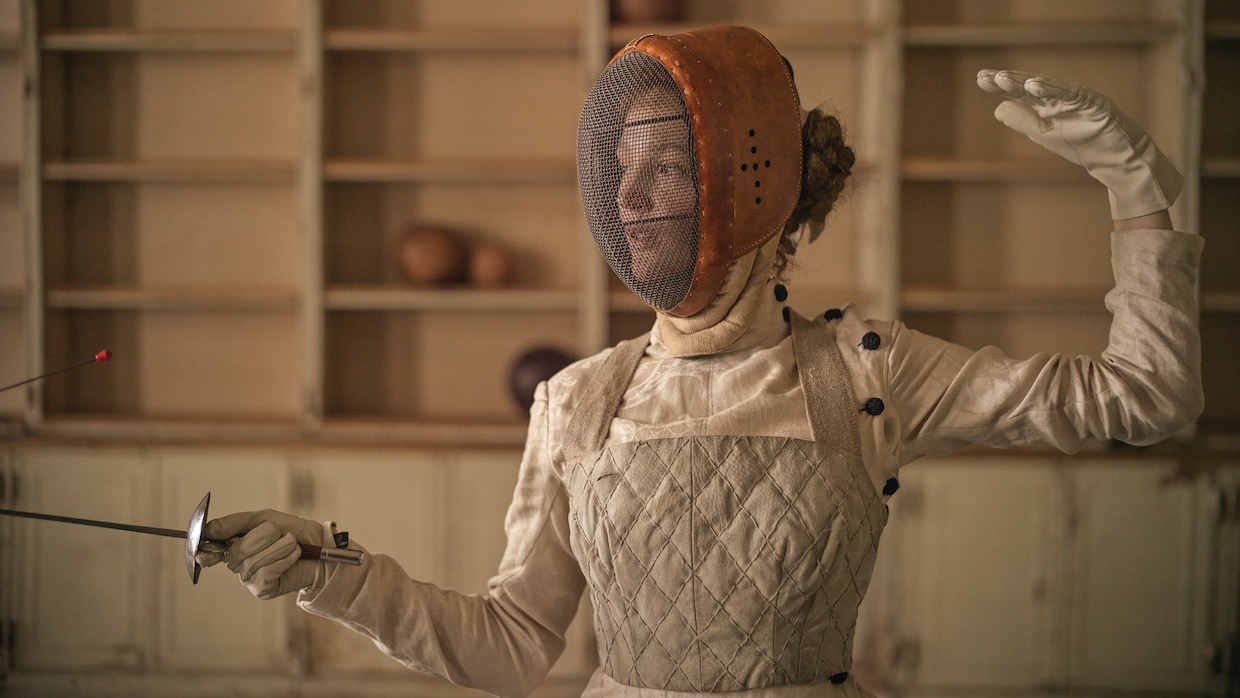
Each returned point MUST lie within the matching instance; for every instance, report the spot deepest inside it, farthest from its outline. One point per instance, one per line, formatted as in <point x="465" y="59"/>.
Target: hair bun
<point x="827" y="164"/>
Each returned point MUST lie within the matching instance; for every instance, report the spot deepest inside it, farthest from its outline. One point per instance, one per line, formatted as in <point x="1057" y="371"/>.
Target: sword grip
<point x="342" y="555"/>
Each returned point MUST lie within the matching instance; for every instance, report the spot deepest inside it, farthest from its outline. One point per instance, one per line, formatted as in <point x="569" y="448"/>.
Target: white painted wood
<point x="983" y="600"/>
<point x="394" y="503"/>
<point x="480" y="486"/>
<point x="31" y="194"/>
<point x="216" y="624"/>
<point x="310" y="210"/>
<point x="453" y="300"/>
<point x="8" y="562"/>
<point x="84" y="597"/>
<point x="13" y="347"/>
<point x="172" y="299"/>
<point x="881" y="105"/>
<point x="466" y="39"/>
<point x="196" y="41"/>
<point x="166" y="170"/>
<point x="1223" y="604"/>
<point x="1139" y="609"/>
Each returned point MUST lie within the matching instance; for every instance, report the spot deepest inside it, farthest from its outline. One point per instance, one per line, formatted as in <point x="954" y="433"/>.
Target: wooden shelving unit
<point x="362" y="171"/>
<point x="217" y="195"/>
<point x="1219" y="187"/>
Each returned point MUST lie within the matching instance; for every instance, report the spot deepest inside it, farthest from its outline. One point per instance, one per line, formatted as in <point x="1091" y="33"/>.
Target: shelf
<point x="955" y="36"/>
<point x="807" y="300"/>
<point x="932" y="300"/>
<point x="785" y="36"/>
<point x="1220" y="302"/>
<point x="11" y="297"/>
<point x="170" y="42"/>
<point x="451" y="171"/>
<point x="167" y="299"/>
<point x="407" y="432"/>
<point x="1223" y="30"/>
<point x="1220" y="166"/>
<point x="926" y="169"/>
<point x="333" y="431"/>
<point x="546" y="39"/>
<point x="144" y="428"/>
<point x="248" y="171"/>
<point x="464" y="299"/>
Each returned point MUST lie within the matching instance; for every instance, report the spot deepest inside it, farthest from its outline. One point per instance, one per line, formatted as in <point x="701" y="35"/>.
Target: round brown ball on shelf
<point x="532" y="367"/>
<point x="490" y="265"/>
<point x="431" y="255"/>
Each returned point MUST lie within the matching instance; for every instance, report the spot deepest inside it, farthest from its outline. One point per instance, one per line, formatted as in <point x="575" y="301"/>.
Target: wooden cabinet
<point x="219" y="197"/>
<point x="92" y="598"/>
<point x="1075" y="574"/>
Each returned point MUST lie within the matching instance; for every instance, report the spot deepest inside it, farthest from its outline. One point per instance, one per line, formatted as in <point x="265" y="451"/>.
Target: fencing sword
<point x="103" y="356"/>
<point x="192" y="535"/>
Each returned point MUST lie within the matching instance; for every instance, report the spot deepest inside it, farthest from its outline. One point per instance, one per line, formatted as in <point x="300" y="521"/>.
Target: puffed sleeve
<point x="1143" y="387"/>
<point x="503" y="642"/>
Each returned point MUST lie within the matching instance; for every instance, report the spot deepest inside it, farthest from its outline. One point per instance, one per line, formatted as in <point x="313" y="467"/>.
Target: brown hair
<point x="827" y="164"/>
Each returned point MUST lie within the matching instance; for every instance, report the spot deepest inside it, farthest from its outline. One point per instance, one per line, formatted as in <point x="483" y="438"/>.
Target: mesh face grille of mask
<point x="637" y="170"/>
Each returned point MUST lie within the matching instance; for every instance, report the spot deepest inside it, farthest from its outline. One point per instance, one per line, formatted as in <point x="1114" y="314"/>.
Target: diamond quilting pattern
<point x="724" y="562"/>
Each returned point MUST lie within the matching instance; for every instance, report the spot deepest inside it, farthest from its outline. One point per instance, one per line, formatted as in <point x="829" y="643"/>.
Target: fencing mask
<point x="688" y="157"/>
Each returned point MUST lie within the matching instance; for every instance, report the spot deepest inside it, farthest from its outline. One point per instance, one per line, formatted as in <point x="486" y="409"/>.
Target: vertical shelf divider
<point x="310" y="205"/>
<point x="30" y="186"/>
<point x="594" y="318"/>
<point x="1190" y="43"/>
<point x="878" y="205"/>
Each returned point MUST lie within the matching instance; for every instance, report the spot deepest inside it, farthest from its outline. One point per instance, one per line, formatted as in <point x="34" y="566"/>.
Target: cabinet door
<point x="1055" y="572"/>
<point x="1140" y="551"/>
<point x="218" y="623"/>
<point x="81" y="594"/>
<point x="983" y="600"/>
<point x="481" y="485"/>
<point x="393" y="503"/>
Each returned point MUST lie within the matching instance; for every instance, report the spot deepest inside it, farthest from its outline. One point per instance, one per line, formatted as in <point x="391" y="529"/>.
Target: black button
<point x="873" y="406"/>
<point x="787" y="315"/>
<point x="890" y="487"/>
<point x="839" y="678"/>
<point x="871" y="340"/>
<point x="781" y="293"/>
<point x="833" y="314"/>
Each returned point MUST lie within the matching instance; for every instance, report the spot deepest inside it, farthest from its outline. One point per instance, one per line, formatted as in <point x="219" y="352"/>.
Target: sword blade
<point x="149" y="530"/>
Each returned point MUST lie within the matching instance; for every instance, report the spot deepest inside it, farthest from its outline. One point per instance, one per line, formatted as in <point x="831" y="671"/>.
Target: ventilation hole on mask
<point x="758" y="200"/>
<point x="755" y="166"/>
<point x="751" y="133"/>
<point x="753" y="149"/>
<point x="768" y="163"/>
<point x="757" y="184"/>
<point x="744" y="167"/>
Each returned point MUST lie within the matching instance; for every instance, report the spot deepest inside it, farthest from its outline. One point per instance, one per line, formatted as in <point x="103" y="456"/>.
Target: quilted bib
<point x="724" y="563"/>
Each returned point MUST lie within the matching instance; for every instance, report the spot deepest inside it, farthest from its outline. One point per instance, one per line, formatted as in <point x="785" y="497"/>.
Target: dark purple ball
<point x="531" y="368"/>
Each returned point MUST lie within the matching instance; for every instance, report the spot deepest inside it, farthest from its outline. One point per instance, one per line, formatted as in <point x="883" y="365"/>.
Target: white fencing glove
<point x="262" y="549"/>
<point x="1086" y="128"/>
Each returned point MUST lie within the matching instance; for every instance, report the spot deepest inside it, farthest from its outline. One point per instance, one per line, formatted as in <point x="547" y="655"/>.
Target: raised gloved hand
<point x="262" y="549"/>
<point x="1087" y="128"/>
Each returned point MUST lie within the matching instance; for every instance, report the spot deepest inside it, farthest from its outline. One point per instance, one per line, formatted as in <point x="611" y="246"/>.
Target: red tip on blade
<point x="104" y="355"/>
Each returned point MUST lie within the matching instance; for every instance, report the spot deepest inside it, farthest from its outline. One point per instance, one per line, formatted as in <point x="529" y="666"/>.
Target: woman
<point x="721" y="483"/>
